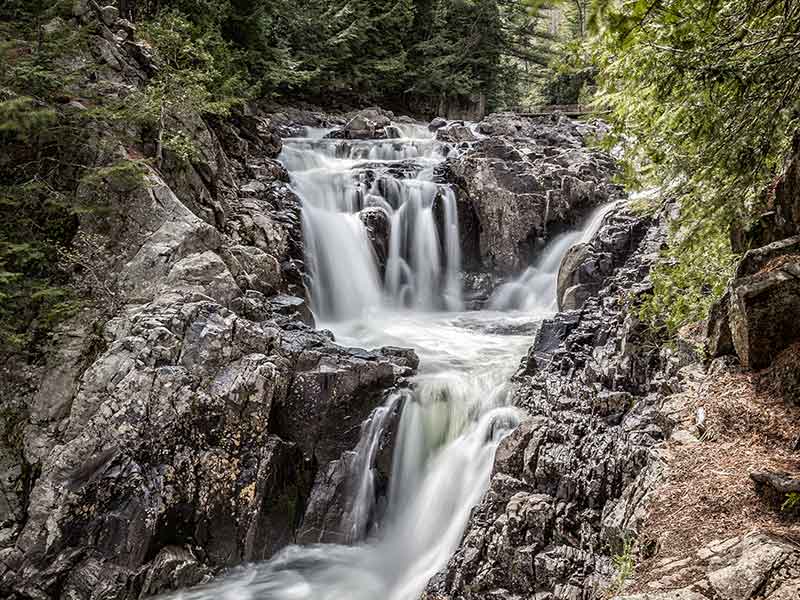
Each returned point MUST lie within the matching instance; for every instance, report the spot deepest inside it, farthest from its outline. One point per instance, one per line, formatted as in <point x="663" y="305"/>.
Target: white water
<point x="337" y="179"/>
<point x="457" y="410"/>
<point x="536" y="288"/>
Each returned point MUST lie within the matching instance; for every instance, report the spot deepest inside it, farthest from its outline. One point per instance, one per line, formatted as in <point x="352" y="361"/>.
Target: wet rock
<point x="332" y="392"/>
<point x="293" y="307"/>
<point x="477" y="289"/>
<point x="528" y="186"/>
<point x="586" y="266"/>
<point x="378" y="228"/>
<point x="365" y="124"/>
<point x="437" y="123"/>
<point x="573" y="481"/>
<point x="173" y="568"/>
<point x="455" y="133"/>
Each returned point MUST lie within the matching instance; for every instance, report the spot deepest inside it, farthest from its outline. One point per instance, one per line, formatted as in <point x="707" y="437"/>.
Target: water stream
<point x="457" y="410"/>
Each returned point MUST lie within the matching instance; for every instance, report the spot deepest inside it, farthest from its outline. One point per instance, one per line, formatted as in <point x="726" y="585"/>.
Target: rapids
<point x="458" y="408"/>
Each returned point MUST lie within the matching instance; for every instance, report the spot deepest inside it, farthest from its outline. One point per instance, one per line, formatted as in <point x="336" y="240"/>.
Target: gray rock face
<point x="587" y="266"/>
<point x="530" y="180"/>
<point x="378" y="227"/>
<point x="757" y="565"/>
<point x="572" y="482"/>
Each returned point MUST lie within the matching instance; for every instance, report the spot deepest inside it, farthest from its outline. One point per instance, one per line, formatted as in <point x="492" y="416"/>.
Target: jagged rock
<point x="378" y="228"/>
<point x="332" y="392"/>
<point x="523" y="188"/>
<point x="572" y="481"/>
<point x="455" y="133"/>
<point x="586" y="266"/>
<point x="756" y="566"/>
<point x="762" y="314"/>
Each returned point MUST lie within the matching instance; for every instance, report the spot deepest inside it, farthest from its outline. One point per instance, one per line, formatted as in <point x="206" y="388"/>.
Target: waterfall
<point x="337" y="180"/>
<point x="395" y="279"/>
<point x="536" y="289"/>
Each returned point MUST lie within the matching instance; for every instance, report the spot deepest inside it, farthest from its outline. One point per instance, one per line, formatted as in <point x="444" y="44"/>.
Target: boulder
<point x="365" y="124"/>
<point x="437" y="123"/>
<point x="455" y="133"/>
<point x="763" y="314"/>
<point x="332" y="392"/>
<point x="378" y="227"/>
<point x="524" y="190"/>
<point x="756" y="566"/>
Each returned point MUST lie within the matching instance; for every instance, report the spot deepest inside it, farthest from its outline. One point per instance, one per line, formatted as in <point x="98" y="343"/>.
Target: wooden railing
<point x="570" y="110"/>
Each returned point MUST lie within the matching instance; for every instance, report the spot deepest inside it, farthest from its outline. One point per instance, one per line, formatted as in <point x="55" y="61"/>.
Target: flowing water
<point x="457" y="410"/>
<point x="536" y="288"/>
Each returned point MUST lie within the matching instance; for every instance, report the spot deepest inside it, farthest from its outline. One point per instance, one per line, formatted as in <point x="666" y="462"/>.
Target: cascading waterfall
<point x="536" y="288"/>
<point x="337" y="180"/>
<point x="457" y="411"/>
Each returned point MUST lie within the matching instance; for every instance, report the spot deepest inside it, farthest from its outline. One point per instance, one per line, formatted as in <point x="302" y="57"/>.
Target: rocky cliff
<point x="177" y="424"/>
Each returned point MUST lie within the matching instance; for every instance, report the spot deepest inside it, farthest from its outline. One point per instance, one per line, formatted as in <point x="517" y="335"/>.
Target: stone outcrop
<point x="369" y="123"/>
<point x="586" y="266"/>
<point x="754" y="318"/>
<point x="570" y="484"/>
<point x="529" y="180"/>
<point x="763" y="314"/>
<point x="455" y="133"/>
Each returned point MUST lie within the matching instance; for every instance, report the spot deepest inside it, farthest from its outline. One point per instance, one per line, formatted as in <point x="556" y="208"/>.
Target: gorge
<point x="351" y="354"/>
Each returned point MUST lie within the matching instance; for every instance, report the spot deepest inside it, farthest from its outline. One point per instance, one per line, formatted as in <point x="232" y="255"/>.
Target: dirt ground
<point x="707" y="493"/>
